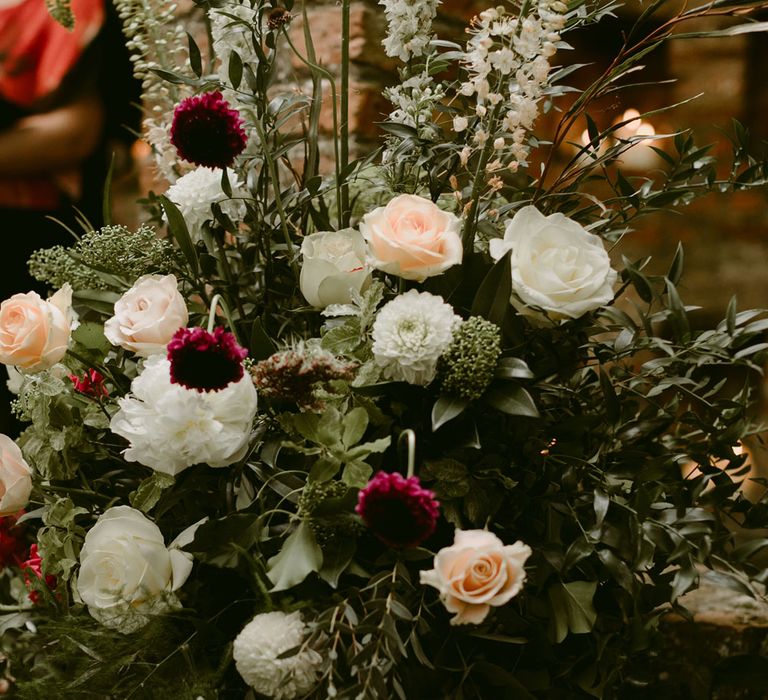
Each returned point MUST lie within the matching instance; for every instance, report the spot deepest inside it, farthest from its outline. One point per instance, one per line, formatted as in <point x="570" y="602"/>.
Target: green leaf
<point x="492" y="298"/>
<point x="150" y="490"/>
<point x="221" y="542"/>
<point x="676" y="268"/>
<point x="337" y="555"/>
<point x="445" y="409"/>
<point x="91" y="335"/>
<point x="355" y="425"/>
<point x="356" y="474"/>
<point x="324" y="469"/>
<point x="235" y="69"/>
<point x="178" y="229"/>
<point x="261" y="345"/>
<point x="299" y="557"/>
<point x="572" y="608"/>
<point x="195" y="60"/>
<point x="344" y="339"/>
<point x="513" y="368"/>
<point x="639" y="281"/>
<point x="511" y="399"/>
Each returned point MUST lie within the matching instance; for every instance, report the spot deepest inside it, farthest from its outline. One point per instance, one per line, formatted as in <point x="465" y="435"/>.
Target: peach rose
<point x="147" y="315"/>
<point x="34" y="332"/>
<point x="412" y="238"/>
<point x="478" y="572"/>
<point x="15" y="477"/>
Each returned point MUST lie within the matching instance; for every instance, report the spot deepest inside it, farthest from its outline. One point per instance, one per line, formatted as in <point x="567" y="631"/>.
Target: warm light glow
<point x="640" y="156"/>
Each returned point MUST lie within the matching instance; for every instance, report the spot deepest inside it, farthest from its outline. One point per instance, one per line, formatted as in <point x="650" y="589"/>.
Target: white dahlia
<point x="171" y="428"/>
<point x="194" y="193"/>
<point x="257" y="650"/>
<point x="410" y="334"/>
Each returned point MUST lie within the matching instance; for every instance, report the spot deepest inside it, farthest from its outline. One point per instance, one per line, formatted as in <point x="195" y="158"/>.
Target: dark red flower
<point x="90" y="384"/>
<point x="34" y="565"/>
<point x="205" y="361"/>
<point x="12" y="545"/>
<point x="207" y="132"/>
<point x="398" y="510"/>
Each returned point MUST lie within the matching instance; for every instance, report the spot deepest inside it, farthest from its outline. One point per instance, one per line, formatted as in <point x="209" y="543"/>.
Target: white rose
<point x="333" y="267"/>
<point x="127" y="572"/>
<point x="15" y="477"/>
<point x="147" y="315"/>
<point x="412" y="238"/>
<point x="478" y="572"/>
<point x="557" y="265"/>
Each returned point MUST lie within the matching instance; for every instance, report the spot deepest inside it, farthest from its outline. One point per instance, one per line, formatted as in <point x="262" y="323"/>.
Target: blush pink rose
<point x="478" y="572"/>
<point x="15" y="477"/>
<point x="34" y="332"/>
<point x="412" y="238"/>
<point x="147" y="315"/>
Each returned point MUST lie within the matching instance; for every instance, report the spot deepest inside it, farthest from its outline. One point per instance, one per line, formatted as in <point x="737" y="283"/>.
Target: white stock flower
<point x="231" y="35"/>
<point x="410" y="334"/>
<point x="194" y="193"/>
<point x="409" y="27"/>
<point x="557" y="265"/>
<point x="257" y="649"/>
<point x="126" y="571"/>
<point x="171" y="428"/>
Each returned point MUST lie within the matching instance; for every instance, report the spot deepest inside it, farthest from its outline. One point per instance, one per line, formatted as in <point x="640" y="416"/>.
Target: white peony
<point x="410" y="334"/>
<point x="171" y="428"/>
<point x="194" y="193"/>
<point x="126" y="571"/>
<point x="557" y="265"/>
<point x="261" y="642"/>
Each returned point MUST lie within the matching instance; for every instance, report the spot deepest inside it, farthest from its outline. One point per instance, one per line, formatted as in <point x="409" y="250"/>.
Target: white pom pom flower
<point x="194" y="193"/>
<point x="257" y="649"/>
<point x="171" y="428"/>
<point x="410" y="334"/>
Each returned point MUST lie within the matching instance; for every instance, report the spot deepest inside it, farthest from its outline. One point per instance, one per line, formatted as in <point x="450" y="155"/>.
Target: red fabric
<point x="36" y="52"/>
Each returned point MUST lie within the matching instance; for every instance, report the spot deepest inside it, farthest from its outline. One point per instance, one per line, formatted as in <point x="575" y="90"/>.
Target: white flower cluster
<point x="507" y="59"/>
<point x="409" y="27"/>
<point x="171" y="428"/>
<point x="410" y="334"/>
<point x="156" y="40"/>
<point x="257" y="653"/>
<point x="194" y="193"/>
<point x="414" y="101"/>
<point x="231" y="35"/>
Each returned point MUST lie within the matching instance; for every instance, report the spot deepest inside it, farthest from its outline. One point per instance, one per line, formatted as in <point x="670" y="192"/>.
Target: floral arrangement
<point x="392" y="431"/>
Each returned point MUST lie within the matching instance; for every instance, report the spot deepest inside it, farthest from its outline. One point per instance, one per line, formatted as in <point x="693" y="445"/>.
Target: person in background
<point x="64" y="97"/>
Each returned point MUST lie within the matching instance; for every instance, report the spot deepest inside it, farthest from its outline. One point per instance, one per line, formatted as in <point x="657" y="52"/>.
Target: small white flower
<point x="460" y="123"/>
<point x="257" y="649"/>
<point x="194" y="193"/>
<point x="171" y="428"/>
<point x="410" y="334"/>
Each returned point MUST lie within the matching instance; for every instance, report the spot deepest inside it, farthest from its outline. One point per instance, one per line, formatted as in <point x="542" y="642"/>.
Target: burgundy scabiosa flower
<point x="398" y="510"/>
<point x="205" y="361"/>
<point x="90" y="384"/>
<point x="206" y="131"/>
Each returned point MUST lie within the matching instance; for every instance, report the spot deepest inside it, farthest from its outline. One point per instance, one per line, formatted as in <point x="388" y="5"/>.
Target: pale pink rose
<point x="147" y="315"/>
<point x="34" y="332"/>
<point x="15" y="477"/>
<point x="478" y="572"/>
<point x="412" y="238"/>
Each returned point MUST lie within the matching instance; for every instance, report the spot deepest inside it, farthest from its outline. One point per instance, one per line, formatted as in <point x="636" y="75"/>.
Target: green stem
<point x="409" y="437"/>
<point x="344" y="135"/>
<point x="278" y="197"/>
<point x="468" y="235"/>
